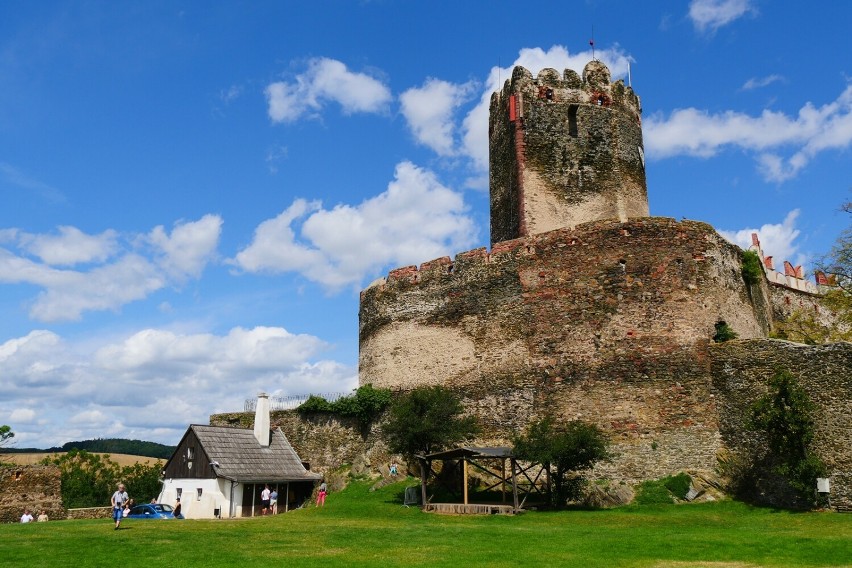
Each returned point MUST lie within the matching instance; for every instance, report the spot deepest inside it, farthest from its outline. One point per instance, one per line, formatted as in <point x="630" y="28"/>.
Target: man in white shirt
<point x="27" y="516"/>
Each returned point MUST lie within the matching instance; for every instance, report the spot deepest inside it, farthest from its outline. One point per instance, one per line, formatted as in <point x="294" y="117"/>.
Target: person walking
<point x="119" y="498"/>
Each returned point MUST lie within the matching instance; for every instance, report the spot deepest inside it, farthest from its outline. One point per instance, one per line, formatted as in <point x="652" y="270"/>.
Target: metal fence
<point x="292" y="401"/>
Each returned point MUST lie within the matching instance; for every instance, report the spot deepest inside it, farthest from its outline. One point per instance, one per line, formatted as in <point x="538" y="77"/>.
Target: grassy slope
<point x="360" y="528"/>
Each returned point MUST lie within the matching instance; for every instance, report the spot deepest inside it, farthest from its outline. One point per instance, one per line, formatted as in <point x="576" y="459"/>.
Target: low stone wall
<point x="90" y="513"/>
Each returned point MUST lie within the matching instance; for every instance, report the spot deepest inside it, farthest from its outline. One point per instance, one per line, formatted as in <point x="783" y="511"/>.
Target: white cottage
<point x="221" y="471"/>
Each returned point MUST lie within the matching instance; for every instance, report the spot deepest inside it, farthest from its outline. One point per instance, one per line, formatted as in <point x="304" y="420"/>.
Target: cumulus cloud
<point x="475" y="124"/>
<point x="699" y="133"/>
<point x="710" y="15"/>
<point x="71" y="246"/>
<point x="325" y="81"/>
<point x="117" y="273"/>
<point x="153" y="383"/>
<point x="776" y="239"/>
<point x="429" y="111"/>
<point x="414" y="220"/>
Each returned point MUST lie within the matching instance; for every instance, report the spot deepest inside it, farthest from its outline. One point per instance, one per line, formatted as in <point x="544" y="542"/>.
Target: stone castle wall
<point x="741" y="370"/>
<point x="609" y="322"/>
<point x="675" y="413"/>
<point x="37" y="487"/>
<point x="557" y="306"/>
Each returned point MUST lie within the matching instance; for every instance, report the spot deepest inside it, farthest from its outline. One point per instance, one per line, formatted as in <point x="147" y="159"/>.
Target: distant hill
<point x="106" y="446"/>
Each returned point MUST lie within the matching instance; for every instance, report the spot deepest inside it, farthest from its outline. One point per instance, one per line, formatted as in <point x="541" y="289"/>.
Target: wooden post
<point x="503" y="479"/>
<point x="424" y="476"/>
<point x="464" y="480"/>
<point x="513" y="463"/>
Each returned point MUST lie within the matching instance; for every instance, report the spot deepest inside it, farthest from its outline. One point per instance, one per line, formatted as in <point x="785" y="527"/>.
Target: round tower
<point x="564" y="151"/>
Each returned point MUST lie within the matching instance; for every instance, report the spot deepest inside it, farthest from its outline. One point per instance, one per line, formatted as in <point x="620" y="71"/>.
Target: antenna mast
<point x="592" y="42"/>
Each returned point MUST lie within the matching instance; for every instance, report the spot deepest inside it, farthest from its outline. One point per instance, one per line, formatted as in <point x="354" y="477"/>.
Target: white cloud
<point x="777" y="240"/>
<point x="698" y="133"/>
<point x="760" y="82"/>
<point x="71" y="246"/>
<point x="153" y="383"/>
<point x="145" y="264"/>
<point x="325" y="80"/>
<point x="430" y="109"/>
<point x="475" y="124"/>
<point x="189" y="248"/>
<point x="416" y="219"/>
<point x="25" y="415"/>
<point x="713" y="14"/>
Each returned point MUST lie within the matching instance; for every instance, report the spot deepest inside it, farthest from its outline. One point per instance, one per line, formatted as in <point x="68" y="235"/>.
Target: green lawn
<point x="362" y="528"/>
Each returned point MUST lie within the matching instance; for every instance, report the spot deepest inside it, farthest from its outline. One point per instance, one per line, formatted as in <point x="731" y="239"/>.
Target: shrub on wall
<point x="752" y="271"/>
<point x="365" y="404"/>
<point x="724" y="332"/>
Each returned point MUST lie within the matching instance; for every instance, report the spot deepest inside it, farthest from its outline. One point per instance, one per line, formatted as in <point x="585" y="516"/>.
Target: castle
<point x="588" y="308"/>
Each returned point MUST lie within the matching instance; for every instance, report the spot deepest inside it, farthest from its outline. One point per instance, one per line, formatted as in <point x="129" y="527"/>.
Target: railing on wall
<point x="292" y="401"/>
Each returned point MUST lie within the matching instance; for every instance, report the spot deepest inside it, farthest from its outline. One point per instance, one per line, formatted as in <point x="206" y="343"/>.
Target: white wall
<point x="215" y="493"/>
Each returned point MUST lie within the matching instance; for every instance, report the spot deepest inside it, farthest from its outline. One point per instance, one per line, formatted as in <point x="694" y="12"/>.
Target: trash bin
<point x="217" y="513"/>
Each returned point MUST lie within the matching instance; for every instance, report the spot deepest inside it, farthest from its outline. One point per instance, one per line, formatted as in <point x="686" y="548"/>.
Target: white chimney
<point x="261" y="420"/>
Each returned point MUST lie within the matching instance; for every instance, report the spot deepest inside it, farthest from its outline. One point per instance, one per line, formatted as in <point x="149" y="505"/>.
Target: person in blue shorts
<point x="119" y="498"/>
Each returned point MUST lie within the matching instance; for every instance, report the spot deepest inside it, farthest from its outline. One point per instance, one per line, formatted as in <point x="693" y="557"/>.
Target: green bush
<point x="663" y="491"/>
<point x="785" y="415"/>
<point x="724" y="332"/>
<point x="365" y="404"/>
<point x="314" y="404"/>
<point x="752" y="270"/>
<point x="678" y="484"/>
<point x="653" y="493"/>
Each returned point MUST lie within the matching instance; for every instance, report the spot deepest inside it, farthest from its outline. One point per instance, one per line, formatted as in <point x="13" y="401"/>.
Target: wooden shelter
<point x="523" y="480"/>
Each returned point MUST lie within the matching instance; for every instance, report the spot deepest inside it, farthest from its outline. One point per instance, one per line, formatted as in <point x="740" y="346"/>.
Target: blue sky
<point x="193" y="194"/>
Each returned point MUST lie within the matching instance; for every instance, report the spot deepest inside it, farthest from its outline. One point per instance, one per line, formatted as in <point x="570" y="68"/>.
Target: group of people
<point x="268" y="501"/>
<point x="27" y="517"/>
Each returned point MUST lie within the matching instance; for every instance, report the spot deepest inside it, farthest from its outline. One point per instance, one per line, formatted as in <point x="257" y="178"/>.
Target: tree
<point x="785" y="416"/>
<point x="425" y="420"/>
<point x="88" y="479"/>
<point x="570" y="447"/>
<point x="6" y="435"/>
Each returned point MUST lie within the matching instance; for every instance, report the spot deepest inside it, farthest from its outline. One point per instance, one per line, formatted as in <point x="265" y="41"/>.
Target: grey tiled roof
<point x="241" y="458"/>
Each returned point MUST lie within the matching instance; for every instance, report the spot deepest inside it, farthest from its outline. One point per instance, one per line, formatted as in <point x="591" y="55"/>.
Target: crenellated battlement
<point x="478" y="259"/>
<point x="594" y="88"/>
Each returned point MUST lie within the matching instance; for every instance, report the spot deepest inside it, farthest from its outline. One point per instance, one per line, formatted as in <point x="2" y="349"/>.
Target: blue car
<point x="151" y="511"/>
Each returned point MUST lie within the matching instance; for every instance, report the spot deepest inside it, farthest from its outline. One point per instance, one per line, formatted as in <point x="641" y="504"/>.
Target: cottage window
<point x="190" y="452"/>
<point x="198" y="497"/>
<point x="179" y="492"/>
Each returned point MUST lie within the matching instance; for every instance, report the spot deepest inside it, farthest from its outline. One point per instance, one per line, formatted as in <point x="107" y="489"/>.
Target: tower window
<point x="572" y="121"/>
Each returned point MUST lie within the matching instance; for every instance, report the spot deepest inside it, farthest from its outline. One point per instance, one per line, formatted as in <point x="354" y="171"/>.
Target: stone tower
<point x="564" y="151"/>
